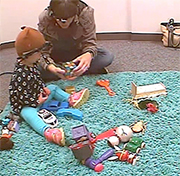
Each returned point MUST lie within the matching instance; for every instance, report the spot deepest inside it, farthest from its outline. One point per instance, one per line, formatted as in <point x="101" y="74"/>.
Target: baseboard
<point x="129" y="36"/>
<point x="111" y="36"/>
<point x="6" y="45"/>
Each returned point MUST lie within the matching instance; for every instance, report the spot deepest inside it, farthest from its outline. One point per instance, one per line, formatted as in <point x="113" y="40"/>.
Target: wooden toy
<point x="105" y="84"/>
<point x="147" y="91"/>
<point x="82" y="150"/>
<point x="84" y="146"/>
<point x="70" y="89"/>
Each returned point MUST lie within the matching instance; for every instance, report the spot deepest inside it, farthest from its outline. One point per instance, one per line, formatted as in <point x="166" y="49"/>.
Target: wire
<point x="6" y="73"/>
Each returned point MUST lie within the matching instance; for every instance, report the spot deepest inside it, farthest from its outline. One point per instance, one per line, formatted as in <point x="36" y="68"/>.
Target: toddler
<point x="28" y="91"/>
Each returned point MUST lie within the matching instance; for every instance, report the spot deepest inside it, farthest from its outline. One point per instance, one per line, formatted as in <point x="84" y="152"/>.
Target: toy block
<point x="82" y="150"/>
<point x="80" y="132"/>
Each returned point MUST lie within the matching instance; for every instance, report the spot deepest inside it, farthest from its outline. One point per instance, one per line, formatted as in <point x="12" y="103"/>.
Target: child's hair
<point x="28" y="40"/>
<point x="64" y="9"/>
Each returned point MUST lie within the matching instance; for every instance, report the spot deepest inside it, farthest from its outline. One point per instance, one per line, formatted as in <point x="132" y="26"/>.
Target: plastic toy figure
<point x="152" y="108"/>
<point x="5" y="141"/>
<point x="124" y="133"/>
<point x="139" y="126"/>
<point x="134" y="145"/>
<point x="124" y="155"/>
<point x="13" y="126"/>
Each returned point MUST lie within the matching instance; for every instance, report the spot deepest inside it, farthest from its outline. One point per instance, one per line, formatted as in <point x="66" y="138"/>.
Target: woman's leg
<point x="103" y="59"/>
<point x="30" y="115"/>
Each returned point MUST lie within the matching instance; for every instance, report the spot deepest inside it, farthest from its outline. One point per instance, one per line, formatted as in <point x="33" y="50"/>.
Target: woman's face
<point x="65" y="23"/>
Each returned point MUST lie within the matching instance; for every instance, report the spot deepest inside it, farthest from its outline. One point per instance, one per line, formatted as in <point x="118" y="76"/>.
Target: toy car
<point x="134" y="145"/>
<point x="48" y="118"/>
<point x="54" y="105"/>
<point x="76" y="114"/>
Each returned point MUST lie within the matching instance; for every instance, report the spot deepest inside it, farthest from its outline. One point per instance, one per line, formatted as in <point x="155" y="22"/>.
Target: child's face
<point x="32" y="59"/>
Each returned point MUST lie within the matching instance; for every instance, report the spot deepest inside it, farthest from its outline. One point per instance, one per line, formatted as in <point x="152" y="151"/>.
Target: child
<point x="28" y="91"/>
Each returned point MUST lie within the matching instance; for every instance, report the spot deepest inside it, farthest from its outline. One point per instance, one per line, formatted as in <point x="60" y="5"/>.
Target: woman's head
<point x="64" y="9"/>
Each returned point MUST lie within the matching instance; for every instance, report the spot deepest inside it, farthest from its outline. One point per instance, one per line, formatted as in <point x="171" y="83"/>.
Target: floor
<point x="134" y="56"/>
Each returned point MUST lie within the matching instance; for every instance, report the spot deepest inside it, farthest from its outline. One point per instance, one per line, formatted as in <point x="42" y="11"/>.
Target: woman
<point x="69" y="25"/>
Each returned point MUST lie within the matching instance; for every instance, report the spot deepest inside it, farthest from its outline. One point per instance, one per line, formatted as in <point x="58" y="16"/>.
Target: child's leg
<point x="55" y="135"/>
<point x="57" y="93"/>
<point x="75" y="100"/>
<point x="30" y="115"/>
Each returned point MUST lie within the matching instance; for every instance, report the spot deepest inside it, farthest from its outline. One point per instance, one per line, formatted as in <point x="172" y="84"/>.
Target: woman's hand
<point x="59" y="72"/>
<point x="84" y="63"/>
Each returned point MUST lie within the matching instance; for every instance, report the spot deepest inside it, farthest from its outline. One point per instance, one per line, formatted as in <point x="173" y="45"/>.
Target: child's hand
<point x="46" y="90"/>
<point x="42" y="98"/>
<point x="44" y="95"/>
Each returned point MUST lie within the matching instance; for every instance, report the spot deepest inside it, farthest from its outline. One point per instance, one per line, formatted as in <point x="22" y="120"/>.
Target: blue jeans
<point x="30" y="114"/>
<point x="101" y="60"/>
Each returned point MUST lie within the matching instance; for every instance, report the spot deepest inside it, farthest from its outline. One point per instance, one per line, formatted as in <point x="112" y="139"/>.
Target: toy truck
<point x="147" y="91"/>
<point x="134" y="145"/>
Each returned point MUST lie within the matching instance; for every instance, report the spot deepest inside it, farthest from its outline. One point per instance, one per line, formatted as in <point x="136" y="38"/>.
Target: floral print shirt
<point x="25" y="87"/>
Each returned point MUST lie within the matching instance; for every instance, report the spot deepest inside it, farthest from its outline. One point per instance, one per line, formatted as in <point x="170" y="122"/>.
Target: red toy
<point x="105" y="83"/>
<point x="5" y="141"/>
<point x="124" y="155"/>
<point x="151" y="107"/>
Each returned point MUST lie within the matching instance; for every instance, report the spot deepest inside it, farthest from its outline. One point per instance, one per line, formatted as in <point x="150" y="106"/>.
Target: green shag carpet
<point x="33" y="155"/>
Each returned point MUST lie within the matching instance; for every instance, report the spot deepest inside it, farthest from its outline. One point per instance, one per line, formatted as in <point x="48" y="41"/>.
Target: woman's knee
<point x="104" y="57"/>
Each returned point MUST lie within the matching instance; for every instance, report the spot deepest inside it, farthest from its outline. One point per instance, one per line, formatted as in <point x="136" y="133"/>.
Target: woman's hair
<point x="64" y="9"/>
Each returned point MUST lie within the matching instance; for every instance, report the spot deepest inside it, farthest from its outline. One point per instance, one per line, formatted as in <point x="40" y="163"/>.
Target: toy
<point x="13" y="126"/>
<point x="134" y="145"/>
<point x="80" y="133"/>
<point x="70" y="89"/>
<point x="142" y="104"/>
<point x="147" y="91"/>
<point x="124" y="155"/>
<point x="124" y="133"/>
<point x="138" y="127"/>
<point x="105" y="83"/>
<point x="82" y="150"/>
<point x="76" y="114"/>
<point x="5" y="142"/>
<point x="68" y="67"/>
<point x="151" y="107"/>
<point x="96" y="164"/>
<point x="113" y="141"/>
<point x="84" y="146"/>
<point x="48" y="118"/>
<point x="54" y="105"/>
